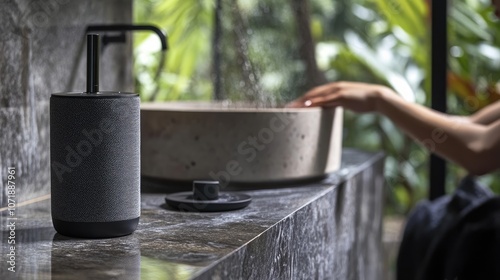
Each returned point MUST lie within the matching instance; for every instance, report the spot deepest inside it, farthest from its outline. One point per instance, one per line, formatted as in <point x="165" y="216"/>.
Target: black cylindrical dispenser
<point x="95" y="158"/>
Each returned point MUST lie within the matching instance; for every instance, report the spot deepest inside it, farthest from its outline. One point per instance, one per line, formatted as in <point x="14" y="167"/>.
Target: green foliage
<point x="188" y="25"/>
<point x="376" y="41"/>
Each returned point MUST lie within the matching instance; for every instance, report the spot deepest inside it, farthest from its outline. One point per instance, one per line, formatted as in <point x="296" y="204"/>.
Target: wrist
<point x="381" y="95"/>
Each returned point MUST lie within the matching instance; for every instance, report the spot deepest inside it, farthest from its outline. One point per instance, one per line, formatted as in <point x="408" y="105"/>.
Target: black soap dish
<point x="205" y="197"/>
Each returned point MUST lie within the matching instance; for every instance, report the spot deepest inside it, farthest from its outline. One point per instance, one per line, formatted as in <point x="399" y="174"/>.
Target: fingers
<point x="323" y="90"/>
<point x="315" y="93"/>
<point x="307" y="103"/>
<point x="299" y="103"/>
<point x="320" y="90"/>
<point x="324" y="95"/>
<point x="330" y="100"/>
<point x="358" y="97"/>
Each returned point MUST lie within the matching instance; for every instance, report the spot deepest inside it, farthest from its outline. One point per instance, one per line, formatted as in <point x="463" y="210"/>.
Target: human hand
<point x="357" y="97"/>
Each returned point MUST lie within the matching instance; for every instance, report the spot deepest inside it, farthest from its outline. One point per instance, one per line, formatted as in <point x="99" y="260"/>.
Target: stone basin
<point x="238" y="143"/>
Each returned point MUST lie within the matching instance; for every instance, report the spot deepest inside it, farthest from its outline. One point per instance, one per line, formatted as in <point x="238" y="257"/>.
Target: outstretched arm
<point x="475" y="146"/>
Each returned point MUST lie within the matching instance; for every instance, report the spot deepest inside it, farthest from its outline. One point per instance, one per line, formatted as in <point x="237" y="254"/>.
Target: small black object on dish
<point x="205" y="197"/>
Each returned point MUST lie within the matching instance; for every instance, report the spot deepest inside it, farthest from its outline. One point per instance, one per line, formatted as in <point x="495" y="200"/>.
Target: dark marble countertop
<point x="167" y="244"/>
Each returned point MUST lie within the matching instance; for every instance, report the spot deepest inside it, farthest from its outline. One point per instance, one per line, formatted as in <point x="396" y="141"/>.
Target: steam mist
<point x="259" y="64"/>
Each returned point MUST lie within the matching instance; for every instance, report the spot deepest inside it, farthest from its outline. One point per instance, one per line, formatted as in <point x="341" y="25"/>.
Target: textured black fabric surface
<point x="453" y="237"/>
<point x="104" y="185"/>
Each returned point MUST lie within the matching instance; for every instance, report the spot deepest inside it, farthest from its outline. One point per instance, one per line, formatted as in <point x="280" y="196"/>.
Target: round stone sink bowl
<point x="237" y="143"/>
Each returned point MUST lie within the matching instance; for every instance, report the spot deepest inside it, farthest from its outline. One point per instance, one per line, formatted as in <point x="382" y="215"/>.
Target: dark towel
<point x="453" y="237"/>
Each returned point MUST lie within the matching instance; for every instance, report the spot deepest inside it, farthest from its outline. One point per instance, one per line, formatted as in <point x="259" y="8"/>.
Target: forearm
<point x="458" y="140"/>
<point x="488" y="115"/>
<point x="485" y="116"/>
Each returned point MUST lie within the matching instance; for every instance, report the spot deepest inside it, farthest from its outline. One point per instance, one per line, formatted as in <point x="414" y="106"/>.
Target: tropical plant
<point x="379" y="41"/>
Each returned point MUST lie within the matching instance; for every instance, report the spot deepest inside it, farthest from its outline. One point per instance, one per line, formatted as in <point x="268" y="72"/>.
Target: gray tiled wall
<point x="41" y="49"/>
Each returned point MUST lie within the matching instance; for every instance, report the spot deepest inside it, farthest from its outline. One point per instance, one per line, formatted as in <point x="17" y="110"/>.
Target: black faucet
<point x="121" y="37"/>
<point x="122" y="28"/>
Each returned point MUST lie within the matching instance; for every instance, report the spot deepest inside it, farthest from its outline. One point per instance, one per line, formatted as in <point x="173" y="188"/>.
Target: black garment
<point x="453" y="237"/>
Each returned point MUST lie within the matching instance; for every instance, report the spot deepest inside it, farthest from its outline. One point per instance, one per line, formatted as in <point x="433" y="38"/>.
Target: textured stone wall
<point x="42" y="51"/>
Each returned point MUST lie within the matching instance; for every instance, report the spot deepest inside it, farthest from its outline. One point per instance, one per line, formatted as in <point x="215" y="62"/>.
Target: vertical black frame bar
<point x="217" y="52"/>
<point x="439" y="64"/>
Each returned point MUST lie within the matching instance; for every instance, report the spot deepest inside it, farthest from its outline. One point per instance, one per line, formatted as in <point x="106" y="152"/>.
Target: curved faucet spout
<point x="129" y="27"/>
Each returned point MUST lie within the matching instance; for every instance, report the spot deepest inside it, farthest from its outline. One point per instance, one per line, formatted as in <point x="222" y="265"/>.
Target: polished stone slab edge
<point x="351" y="167"/>
<point x="307" y="243"/>
<point x="277" y="224"/>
